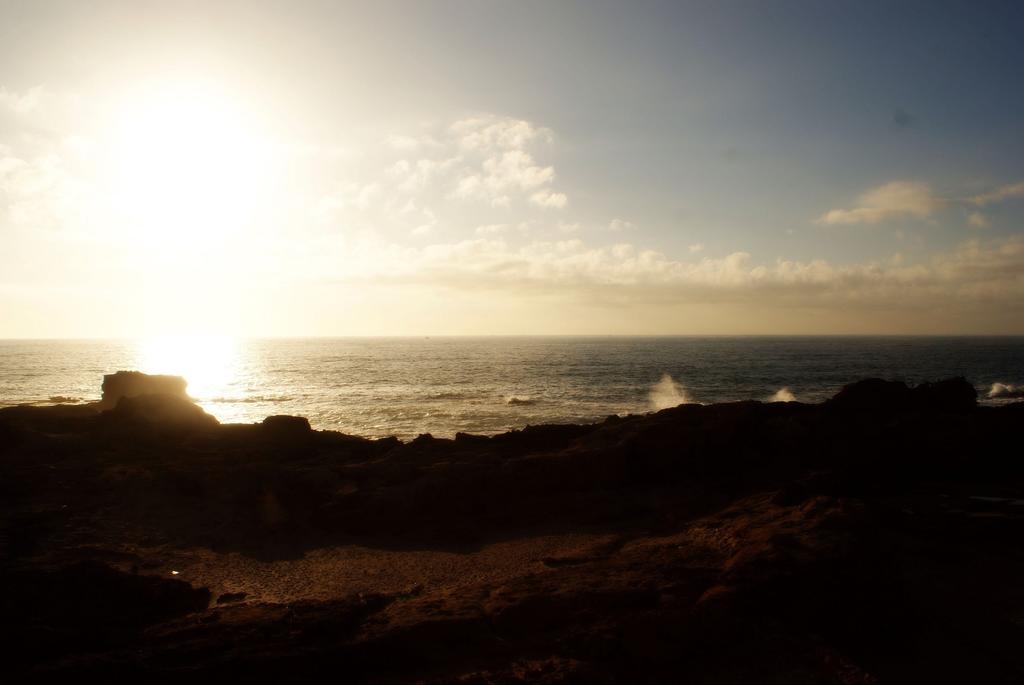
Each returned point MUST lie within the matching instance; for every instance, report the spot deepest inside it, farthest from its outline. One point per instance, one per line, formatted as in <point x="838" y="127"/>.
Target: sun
<point x="187" y="165"/>
<point x="207" y="362"/>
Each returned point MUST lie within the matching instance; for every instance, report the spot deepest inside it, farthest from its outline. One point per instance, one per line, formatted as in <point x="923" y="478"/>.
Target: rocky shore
<point x="876" y="537"/>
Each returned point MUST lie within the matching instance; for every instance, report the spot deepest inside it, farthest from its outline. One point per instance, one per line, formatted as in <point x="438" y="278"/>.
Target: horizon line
<point x="501" y="336"/>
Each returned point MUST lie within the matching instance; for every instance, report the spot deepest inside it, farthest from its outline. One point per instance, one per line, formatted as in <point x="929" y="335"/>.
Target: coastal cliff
<point x="875" y="537"/>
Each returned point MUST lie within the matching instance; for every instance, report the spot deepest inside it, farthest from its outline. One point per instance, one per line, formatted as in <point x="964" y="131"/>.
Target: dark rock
<point x="872" y="394"/>
<point x="470" y="438"/>
<point x="231" y="597"/>
<point x="286" y="425"/>
<point x="85" y="606"/>
<point x="874" y="538"/>
<point x="163" y="413"/>
<point x="134" y="383"/>
<point x="954" y="395"/>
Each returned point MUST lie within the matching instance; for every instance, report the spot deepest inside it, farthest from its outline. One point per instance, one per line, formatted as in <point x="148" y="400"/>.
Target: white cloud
<point x="39" y="186"/>
<point x="515" y="169"/>
<point x="412" y="177"/>
<point x="491" y="229"/>
<point x="973" y="272"/>
<point x="893" y="200"/>
<point x="489" y="133"/>
<point x="364" y="196"/>
<point x="429" y="219"/>
<point x="619" y="225"/>
<point x="486" y="158"/>
<point x="21" y="103"/>
<point x="1002" y="193"/>
<point x="696" y="247"/>
<point x="546" y="198"/>
<point x="409" y="143"/>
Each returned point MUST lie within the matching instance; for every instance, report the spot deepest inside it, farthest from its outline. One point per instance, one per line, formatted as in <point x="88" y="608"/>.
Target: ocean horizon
<point x="406" y="386"/>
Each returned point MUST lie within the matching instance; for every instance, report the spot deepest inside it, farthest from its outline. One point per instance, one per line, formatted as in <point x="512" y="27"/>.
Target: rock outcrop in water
<point x="872" y="538"/>
<point x="136" y="383"/>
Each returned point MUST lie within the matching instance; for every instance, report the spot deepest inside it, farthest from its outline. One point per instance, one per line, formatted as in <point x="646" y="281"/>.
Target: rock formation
<point x="872" y="538"/>
<point x="135" y="383"/>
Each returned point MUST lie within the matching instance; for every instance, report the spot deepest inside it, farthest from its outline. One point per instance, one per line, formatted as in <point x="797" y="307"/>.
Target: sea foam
<point x="667" y="393"/>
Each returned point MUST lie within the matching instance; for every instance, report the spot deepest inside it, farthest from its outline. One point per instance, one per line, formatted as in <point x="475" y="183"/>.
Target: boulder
<point x="135" y="383"/>
<point x="953" y="394"/>
<point x="282" y="424"/>
<point x="872" y="394"/>
<point x="875" y="394"/>
<point x="160" y="412"/>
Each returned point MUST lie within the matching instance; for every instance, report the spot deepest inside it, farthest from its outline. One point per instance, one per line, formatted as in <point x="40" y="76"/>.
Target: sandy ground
<point x="337" y="572"/>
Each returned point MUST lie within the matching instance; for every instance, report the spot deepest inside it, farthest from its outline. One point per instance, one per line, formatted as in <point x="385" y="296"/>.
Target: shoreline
<point x="705" y="542"/>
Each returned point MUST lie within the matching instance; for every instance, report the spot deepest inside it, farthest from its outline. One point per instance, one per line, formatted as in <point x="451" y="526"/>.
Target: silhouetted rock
<point x="954" y="394"/>
<point x="160" y="413"/>
<point x="134" y="383"/>
<point x="872" y="538"/>
<point x="286" y="425"/>
<point x="85" y="606"/>
<point x="872" y="394"/>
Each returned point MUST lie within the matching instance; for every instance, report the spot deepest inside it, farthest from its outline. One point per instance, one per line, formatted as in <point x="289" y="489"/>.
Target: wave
<point x="667" y="393"/>
<point x="1006" y="391"/>
<point x="783" y="395"/>
<point x="62" y="399"/>
<point x="247" y="400"/>
<point x="448" y="396"/>
<point x="524" y="401"/>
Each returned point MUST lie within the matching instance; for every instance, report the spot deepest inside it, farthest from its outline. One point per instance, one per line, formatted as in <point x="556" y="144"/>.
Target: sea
<point x="378" y="387"/>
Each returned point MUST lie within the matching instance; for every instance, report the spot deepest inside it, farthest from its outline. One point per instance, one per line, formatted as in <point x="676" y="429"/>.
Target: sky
<point x="476" y="168"/>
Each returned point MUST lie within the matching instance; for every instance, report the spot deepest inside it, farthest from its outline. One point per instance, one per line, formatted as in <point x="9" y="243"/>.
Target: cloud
<point x="491" y="229"/>
<point x="999" y="194"/>
<point x="410" y="143"/>
<point x="548" y="199"/>
<point x="39" y="186"/>
<point x="897" y="199"/>
<point x="489" y="133"/>
<point x="486" y="158"/>
<point x="977" y="220"/>
<point x="974" y="272"/>
<point x="21" y="103"/>
<point x="914" y="199"/>
<point x="415" y="176"/>
<point x="429" y="219"/>
<point x="696" y="247"/>
<point x="619" y="225"/>
<point x="513" y="170"/>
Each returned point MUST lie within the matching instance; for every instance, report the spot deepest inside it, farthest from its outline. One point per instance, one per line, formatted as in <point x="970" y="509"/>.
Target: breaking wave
<point x="667" y="393"/>
<point x="1006" y="391"/>
<point x="448" y="396"/>
<point x="783" y="395"/>
<point x="248" y="400"/>
<point x="525" y="401"/>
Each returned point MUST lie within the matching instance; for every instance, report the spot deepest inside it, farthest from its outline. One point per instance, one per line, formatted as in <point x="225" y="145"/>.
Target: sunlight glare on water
<point x="208" y="363"/>
<point x="406" y="386"/>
